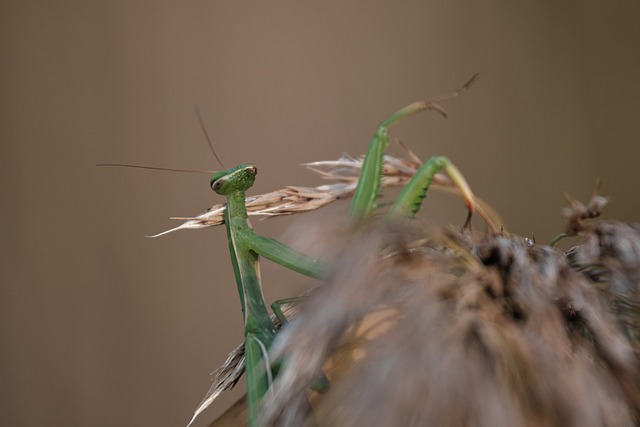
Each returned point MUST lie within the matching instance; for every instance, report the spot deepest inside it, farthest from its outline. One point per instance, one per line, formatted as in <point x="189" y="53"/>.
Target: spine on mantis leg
<point x="410" y="199"/>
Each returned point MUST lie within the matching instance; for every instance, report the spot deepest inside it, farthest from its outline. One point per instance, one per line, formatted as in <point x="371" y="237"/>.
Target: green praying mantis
<point x="246" y="247"/>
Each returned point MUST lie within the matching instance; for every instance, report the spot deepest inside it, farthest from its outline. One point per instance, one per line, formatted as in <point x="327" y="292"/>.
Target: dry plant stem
<point x="345" y="171"/>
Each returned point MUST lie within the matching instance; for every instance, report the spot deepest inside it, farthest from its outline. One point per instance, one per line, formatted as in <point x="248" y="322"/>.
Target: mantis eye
<point x="252" y="170"/>
<point x="217" y="184"/>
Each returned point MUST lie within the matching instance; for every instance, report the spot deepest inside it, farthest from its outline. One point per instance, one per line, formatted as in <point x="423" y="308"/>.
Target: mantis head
<point x="240" y="178"/>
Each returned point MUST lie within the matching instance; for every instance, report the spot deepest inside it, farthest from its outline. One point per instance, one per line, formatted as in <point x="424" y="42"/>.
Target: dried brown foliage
<point x="461" y="329"/>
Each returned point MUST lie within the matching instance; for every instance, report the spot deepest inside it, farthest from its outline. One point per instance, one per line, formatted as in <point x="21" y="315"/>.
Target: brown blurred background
<point x="100" y="326"/>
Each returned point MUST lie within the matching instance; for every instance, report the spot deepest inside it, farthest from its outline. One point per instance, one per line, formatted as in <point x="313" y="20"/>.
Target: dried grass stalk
<point x="345" y="172"/>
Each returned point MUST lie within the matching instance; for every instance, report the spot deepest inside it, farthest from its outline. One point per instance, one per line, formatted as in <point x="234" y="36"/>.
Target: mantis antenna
<point x="127" y="165"/>
<point x="206" y="135"/>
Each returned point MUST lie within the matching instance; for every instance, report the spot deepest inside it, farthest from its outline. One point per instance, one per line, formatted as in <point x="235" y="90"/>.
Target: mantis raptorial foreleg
<point x="369" y="184"/>
<point x="410" y="199"/>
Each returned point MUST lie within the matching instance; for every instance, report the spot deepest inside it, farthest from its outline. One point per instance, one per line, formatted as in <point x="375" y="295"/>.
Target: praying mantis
<point x="245" y="247"/>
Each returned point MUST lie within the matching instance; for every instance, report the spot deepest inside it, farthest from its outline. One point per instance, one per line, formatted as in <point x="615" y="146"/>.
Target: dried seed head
<point x="462" y="329"/>
<point x="345" y="172"/>
<point x="577" y="212"/>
